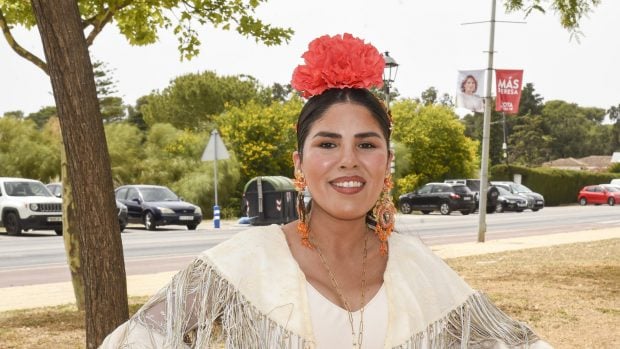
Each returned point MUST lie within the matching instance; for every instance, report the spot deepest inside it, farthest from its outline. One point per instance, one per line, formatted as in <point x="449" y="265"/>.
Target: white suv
<point x="27" y="204"/>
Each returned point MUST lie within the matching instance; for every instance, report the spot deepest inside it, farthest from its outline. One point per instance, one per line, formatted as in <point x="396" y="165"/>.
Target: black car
<point x="121" y="209"/>
<point x="474" y="186"/>
<point x="154" y="205"/>
<point x="442" y="197"/>
<point x="535" y="201"/>
<point x="507" y="201"/>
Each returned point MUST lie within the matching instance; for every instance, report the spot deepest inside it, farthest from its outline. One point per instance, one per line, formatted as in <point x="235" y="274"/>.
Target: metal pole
<point x="216" y="208"/>
<point x="484" y="163"/>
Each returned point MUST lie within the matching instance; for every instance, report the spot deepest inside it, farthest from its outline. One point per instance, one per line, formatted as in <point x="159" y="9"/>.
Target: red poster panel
<point x="508" y="90"/>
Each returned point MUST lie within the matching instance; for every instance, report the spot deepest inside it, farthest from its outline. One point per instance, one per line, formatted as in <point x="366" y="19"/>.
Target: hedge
<point x="559" y="187"/>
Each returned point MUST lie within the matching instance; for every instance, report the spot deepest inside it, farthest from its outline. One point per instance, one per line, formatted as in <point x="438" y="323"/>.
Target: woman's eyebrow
<point x="337" y="135"/>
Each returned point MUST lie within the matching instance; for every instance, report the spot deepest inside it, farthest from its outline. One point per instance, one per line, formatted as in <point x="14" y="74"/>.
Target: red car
<point x="599" y="194"/>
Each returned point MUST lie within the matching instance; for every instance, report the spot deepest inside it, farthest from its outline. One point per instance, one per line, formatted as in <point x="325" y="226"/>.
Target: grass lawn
<point x="569" y="294"/>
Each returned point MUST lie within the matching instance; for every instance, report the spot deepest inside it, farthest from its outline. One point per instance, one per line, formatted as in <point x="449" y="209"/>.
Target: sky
<point x="428" y="39"/>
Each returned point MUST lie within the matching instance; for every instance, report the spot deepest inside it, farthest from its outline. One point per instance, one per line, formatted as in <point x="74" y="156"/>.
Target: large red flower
<point x="338" y="62"/>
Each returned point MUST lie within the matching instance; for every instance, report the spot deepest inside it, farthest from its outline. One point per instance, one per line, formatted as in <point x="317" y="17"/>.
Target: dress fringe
<point x="185" y="314"/>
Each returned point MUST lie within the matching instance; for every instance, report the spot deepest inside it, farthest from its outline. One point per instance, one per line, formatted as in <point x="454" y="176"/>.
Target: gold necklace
<point x="357" y="342"/>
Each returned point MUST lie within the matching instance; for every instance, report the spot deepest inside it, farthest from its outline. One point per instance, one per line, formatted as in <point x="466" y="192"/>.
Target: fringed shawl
<point x="253" y="286"/>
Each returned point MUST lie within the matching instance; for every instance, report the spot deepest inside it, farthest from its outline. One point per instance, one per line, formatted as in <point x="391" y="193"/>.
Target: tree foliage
<point x="431" y="145"/>
<point x="140" y="21"/>
<point x="26" y="151"/>
<point x="261" y="137"/>
<point x="192" y="101"/>
<point x="570" y="11"/>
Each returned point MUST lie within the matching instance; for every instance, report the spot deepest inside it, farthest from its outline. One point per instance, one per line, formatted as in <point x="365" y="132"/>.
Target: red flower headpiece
<point x="338" y="62"/>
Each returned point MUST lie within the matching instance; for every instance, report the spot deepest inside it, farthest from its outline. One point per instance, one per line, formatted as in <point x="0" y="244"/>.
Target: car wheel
<point x="444" y="208"/>
<point x="192" y="226"/>
<point x="58" y="231"/>
<point x="535" y="209"/>
<point x="149" y="221"/>
<point x="611" y="201"/>
<point x="405" y="207"/>
<point x="426" y="212"/>
<point x="122" y="226"/>
<point x="499" y="208"/>
<point x="583" y="201"/>
<point x="465" y="212"/>
<point x="519" y="211"/>
<point x="12" y="224"/>
<point x="491" y="209"/>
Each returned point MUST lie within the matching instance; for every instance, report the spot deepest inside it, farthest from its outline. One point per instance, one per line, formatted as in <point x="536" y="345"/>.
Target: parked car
<point x="27" y="204"/>
<point x="121" y="210"/>
<point x="535" y="201"/>
<point x="599" y="194"/>
<point x="474" y="186"/>
<point x="154" y="205"/>
<point x="442" y="197"/>
<point x="507" y="201"/>
<point x="615" y="182"/>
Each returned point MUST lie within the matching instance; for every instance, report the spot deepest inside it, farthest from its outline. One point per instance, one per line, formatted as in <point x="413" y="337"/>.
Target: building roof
<point x="565" y="162"/>
<point x="598" y="161"/>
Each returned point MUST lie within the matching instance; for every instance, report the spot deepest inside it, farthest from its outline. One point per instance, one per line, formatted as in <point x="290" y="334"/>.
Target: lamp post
<point x="389" y="75"/>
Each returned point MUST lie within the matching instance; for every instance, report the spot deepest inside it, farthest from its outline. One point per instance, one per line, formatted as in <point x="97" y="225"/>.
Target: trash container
<point x="269" y="200"/>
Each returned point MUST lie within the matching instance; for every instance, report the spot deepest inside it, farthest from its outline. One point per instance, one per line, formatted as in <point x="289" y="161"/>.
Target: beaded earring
<point x="303" y="229"/>
<point x="384" y="213"/>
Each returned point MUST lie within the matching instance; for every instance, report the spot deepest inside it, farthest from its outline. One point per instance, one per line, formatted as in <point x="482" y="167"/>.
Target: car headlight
<point x="34" y="207"/>
<point x="122" y="207"/>
<point x="165" y="210"/>
<point x="198" y="210"/>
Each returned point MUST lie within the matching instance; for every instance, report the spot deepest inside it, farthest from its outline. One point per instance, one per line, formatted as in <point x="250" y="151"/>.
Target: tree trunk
<point x="88" y="166"/>
<point x="70" y="234"/>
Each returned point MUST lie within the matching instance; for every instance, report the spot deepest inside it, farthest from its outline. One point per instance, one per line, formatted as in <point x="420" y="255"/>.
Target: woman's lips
<point x="349" y="185"/>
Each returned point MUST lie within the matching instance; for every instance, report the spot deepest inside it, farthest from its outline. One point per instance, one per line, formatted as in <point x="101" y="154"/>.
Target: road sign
<point x="215" y="150"/>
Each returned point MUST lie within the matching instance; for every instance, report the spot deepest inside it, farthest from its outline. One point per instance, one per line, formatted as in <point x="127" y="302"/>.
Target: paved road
<point x="38" y="257"/>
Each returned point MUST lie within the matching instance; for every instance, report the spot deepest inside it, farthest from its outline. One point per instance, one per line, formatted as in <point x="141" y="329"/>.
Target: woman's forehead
<point x="346" y="115"/>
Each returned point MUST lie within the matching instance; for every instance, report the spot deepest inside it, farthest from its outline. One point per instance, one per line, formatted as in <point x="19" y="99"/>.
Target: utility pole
<point x="486" y="131"/>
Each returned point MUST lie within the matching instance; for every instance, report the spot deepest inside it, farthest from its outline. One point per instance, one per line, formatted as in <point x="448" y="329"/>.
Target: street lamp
<point x="389" y="75"/>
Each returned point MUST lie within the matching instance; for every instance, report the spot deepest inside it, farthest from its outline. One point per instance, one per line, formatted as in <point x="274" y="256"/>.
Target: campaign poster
<point x="469" y="90"/>
<point x="508" y="85"/>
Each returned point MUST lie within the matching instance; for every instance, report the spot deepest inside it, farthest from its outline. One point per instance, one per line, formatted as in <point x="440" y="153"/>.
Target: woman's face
<point x="470" y="86"/>
<point x="345" y="159"/>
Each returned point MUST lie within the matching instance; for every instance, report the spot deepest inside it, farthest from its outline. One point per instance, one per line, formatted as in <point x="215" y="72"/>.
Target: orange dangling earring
<point x="384" y="213"/>
<point x="303" y="229"/>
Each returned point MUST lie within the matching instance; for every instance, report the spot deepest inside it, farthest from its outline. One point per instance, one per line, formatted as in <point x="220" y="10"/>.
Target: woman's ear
<point x="297" y="160"/>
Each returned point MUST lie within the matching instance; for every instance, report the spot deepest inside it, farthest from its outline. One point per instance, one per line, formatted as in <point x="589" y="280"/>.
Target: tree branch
<point x="6" y="30"/>
<point x="98" y="22"/>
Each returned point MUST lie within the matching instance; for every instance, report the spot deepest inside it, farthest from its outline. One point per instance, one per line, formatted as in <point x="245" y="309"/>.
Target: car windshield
<point x="519" y="188"/>
<point x="19" y="188"/>
<point x="474" y="185"/>
<point x="158" y="194"/>
<point x="502" y="191"/>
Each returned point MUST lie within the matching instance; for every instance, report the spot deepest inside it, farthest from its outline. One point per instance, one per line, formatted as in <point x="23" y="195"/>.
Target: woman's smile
<point x="348" y="185"/>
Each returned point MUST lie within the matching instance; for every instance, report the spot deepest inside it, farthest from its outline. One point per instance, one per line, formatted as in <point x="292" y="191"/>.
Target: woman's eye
<point x="367" y="146"/>
<point x="327" y="145"/>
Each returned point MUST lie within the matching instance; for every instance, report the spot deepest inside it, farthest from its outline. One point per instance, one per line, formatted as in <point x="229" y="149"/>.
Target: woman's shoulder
<point x="260" y="242"/>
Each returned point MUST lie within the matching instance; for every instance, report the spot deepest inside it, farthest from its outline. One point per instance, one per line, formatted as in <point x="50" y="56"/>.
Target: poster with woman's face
<point x="469" y="90"/>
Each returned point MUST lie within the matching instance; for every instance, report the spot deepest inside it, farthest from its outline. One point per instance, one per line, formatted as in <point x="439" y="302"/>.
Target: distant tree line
<point x="160" y="139"/>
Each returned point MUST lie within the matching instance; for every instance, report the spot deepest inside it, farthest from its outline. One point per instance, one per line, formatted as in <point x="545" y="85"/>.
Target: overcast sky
<point x="428" y="40"/>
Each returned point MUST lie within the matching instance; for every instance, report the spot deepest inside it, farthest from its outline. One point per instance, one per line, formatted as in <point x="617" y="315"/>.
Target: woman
<point x="468" y="98"/>
<point x="336" y="278"/>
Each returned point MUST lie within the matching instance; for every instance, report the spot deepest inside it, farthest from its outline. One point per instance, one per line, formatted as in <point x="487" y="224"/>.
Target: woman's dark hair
<point x="318" y="105"/>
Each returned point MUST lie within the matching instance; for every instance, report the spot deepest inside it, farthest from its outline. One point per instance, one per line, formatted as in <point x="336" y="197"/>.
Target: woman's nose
<point x="348" y="157"/>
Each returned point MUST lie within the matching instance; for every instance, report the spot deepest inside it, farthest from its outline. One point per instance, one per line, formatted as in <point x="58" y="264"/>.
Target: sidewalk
<point x="24" y="297"/>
